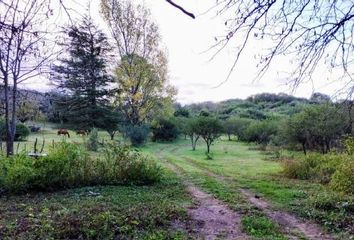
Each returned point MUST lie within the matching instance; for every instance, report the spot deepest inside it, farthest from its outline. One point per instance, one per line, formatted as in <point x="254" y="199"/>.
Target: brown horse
<point x="64" y="132"/>
<point x="82" y="132"/>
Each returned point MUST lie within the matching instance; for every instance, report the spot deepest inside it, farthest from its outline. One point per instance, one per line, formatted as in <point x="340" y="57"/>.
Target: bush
<point x="332" y="209"/>
<point x="34" y="129"/>
<point x="121" y="165"/>
<point x="137" y="134"/>
<point x="314" y="166"/>
<point x="17" y="173"/>
<point x="294" y="168"/>
<point x="343" y="177"/>
<point x="164" y="130"/>
<point x="64" y="166"/>
<point x="68" y="165"/>
<point x="22" y="132"/>
<point x="92" y="143"/>
<point x="348" y="143"/>
<point x="333" y="169"/>
<point x="325" y="200"/>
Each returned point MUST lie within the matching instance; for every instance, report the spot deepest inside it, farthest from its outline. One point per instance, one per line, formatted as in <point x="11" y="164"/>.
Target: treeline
<point x="315" y="124"/>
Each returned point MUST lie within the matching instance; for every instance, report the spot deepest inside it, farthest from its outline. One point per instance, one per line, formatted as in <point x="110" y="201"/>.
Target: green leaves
<point x="209" y="128"/>
<point x="82" y="75"/>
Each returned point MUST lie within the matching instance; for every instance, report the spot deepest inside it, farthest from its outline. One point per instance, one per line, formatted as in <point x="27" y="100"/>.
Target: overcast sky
<point x="190" y="68"/>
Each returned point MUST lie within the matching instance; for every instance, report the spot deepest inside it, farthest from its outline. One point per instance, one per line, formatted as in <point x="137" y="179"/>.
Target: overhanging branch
<point x="181" y="8"/>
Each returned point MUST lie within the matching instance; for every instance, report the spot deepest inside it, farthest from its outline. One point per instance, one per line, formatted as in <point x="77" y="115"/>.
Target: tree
<point x="241" y="125"/>
<point x="181" y="123"/>
<point x="346" y="108"/>
<point x="57" y="109"/>
<point x="261" y="132"/>
<point x="317" y="127"/>
<point x="190" y="130"/>
<point x="229" y="127"/>
<point x="134" y="32"/>
<point x="27" y="110"/>
<point x="164" y="130"/>
<point x="204" y="113"/>
<point x="209" y="129"/>
<point x="236" y="126"/>
<point x="142" y="90"/>
<point x="296" y="132"/>
<point x="22" y="54"/>
<point x="141" y="74"/>
<point x="111" y="121"/>
<point x="313" y="32"/>
<point x="82" y="75"/>
<point x="181" y="112"/>
<point x="137" y="134"/>
<point x="320" y="98"/>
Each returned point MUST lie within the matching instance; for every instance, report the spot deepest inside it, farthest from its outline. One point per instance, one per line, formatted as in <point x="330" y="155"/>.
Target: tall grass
<point x="69" y="165"/>
<point x="336" y="170"/>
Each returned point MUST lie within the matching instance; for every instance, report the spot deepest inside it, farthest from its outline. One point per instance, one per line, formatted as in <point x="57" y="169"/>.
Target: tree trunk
<point x="328" y="147"/>
<point x="323" y="148"/>
<point x="208" y="147"/>
<point x="13" y="120"/>
<point x="193" y="143"/>
<point x="8" y="122"/>
<point x="229" y="135"/>
<point x="350" y="124"/>
<point x="111" y="134"/>
<point x="304" y="148"/>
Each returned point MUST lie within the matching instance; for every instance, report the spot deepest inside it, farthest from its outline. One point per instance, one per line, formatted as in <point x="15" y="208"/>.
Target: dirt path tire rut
<point x="216" y="219"/>
<point x="213" y="218"/>
<point x="290" y="223"/>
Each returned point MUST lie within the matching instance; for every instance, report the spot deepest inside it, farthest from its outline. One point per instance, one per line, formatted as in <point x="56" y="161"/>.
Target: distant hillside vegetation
<point x="259" y="106"/>
<point x="40" y="99"/>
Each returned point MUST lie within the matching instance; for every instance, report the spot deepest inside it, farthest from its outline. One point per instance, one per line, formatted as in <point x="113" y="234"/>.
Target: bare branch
<point x="312" y="33"/>
<point x="181" y="8"/>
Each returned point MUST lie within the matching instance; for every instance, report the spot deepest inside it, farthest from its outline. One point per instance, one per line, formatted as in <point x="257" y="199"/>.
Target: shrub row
<point x="333" y="169"/>
<point x="68" y="165"/>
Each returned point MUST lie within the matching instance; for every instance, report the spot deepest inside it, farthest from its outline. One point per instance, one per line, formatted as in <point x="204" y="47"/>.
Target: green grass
<point x="254" y="170"/>
<point x="132" y="212"/>
<point x="48" y="133"/>
<point x="103" y="212"/>
<point x="195" y="172"/>
<point x="148" y="212"/>
<point x="260" y="227"/>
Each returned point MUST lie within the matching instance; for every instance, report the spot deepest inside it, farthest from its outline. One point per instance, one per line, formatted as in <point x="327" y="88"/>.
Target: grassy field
<point x="160" y="211"/>
<point x="48" y="133"/>
<point x="238" y="166"/>
<point x="246" y="168"/>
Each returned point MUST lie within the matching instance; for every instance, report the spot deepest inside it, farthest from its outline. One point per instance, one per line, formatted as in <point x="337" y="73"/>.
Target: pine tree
<point x="82" y="75"/>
